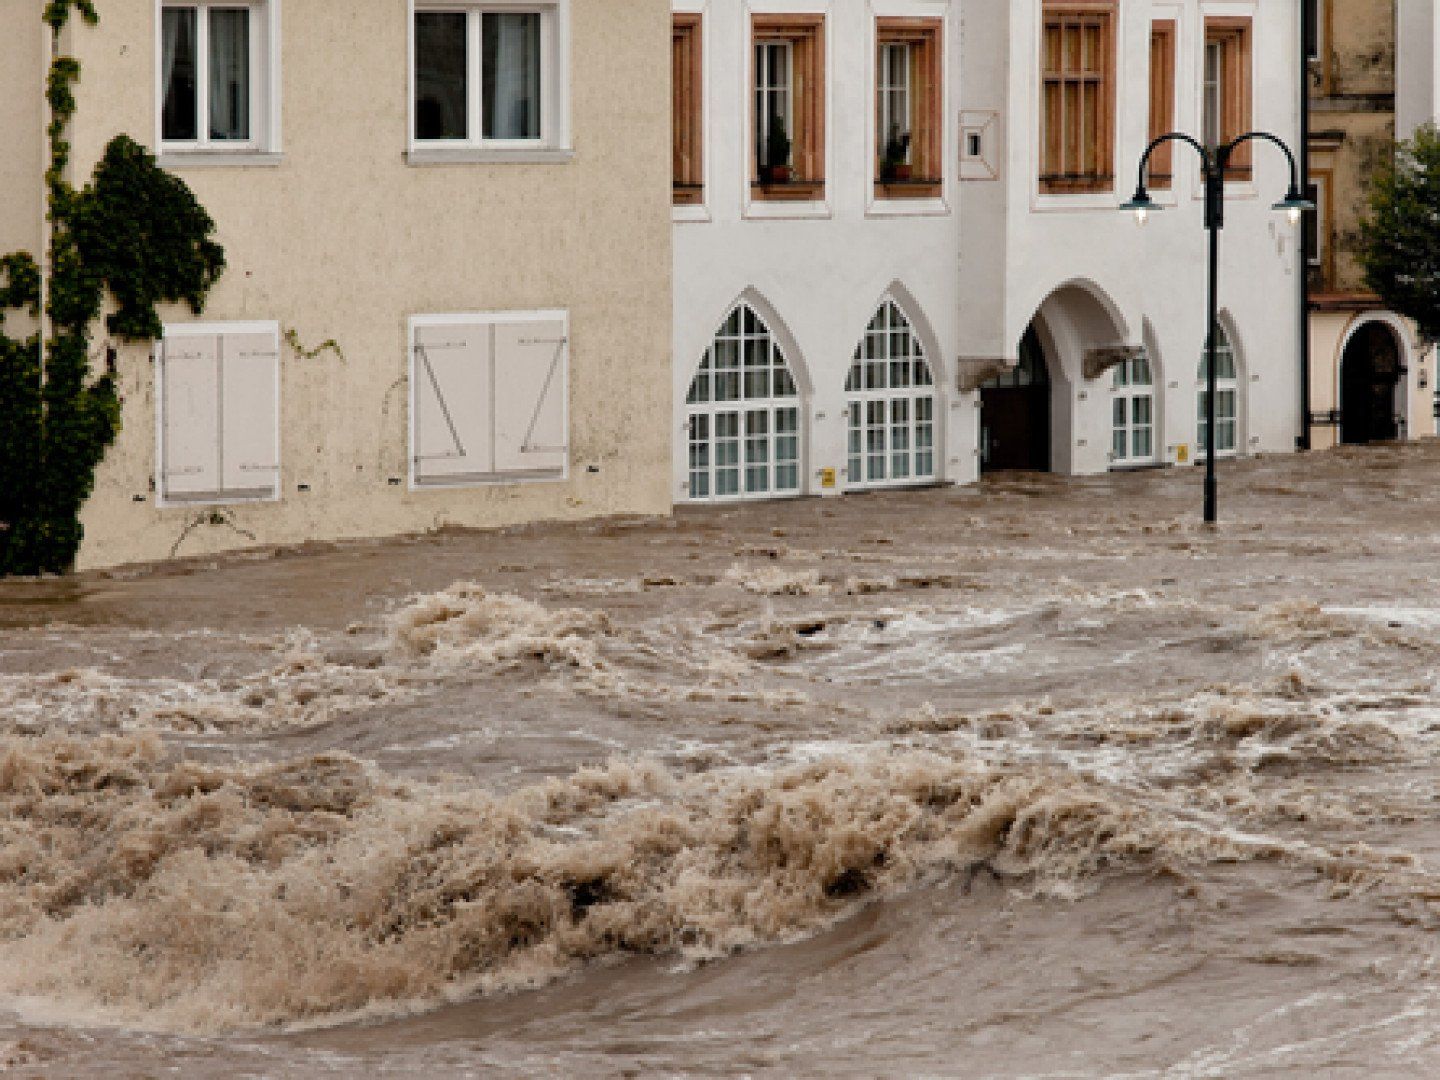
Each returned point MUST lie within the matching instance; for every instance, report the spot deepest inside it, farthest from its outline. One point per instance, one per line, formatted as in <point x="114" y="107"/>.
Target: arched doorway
<point x="1015" y="413"/>
<point x="743" y="415"/>
<point x="1369" y="373"/>
<point x="890" y="405"/>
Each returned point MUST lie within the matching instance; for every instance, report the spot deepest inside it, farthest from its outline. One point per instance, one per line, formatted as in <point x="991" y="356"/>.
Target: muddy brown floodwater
<point x="1039" y="777"/>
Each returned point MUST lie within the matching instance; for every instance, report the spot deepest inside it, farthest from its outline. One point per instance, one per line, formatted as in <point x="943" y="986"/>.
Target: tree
<point x="1399" y="237"/>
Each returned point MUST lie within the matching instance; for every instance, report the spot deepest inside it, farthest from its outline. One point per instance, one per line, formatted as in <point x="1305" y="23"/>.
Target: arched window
<point x="1133" y="405"/>
<point x="744" y="415"/>
<point x="1227" y="399"/>
<point x="890" y="398"/>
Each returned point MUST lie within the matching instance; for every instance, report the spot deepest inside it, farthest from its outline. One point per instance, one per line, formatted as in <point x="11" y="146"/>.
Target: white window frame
<point x="265" y="82"/>
<point x="1223" y="385"/>
<point x="1124" y="388"/>
<point x="766" y="91"/>
<point x="888" y="91"/>
<point x="555" y="137"/>
<point x="865" y="400"/>
<point x="771" y="406"/>
<point x="483" y="319"/>
<point x="173" y="331"/>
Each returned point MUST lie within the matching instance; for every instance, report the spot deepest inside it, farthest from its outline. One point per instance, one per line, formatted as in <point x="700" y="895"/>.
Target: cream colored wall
<point x="344" y="240"/>
<point x="22" y="83"/>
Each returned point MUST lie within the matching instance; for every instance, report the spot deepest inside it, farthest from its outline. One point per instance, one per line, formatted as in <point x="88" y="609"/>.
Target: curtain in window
<point x="230" y="74"/>
<point x="178" y="120"/>
<point x="510" y="66"/>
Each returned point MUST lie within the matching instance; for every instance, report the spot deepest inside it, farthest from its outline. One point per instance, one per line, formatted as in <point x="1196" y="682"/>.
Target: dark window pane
<point x="510" y="79"/>
<point x="177" y="75"/>
<point x="440" y="77"/>
<point x="230" y="74"/>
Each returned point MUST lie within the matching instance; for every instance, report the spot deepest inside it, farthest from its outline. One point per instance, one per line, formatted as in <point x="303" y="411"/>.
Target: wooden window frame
<point x="688" y="120"/>
<point x="1235" y="36"/>
<point x="1063" y="12"/>
<point x="1162" y="103"/>
<point x="806" y="36"/>
<point x="925" y="38"/>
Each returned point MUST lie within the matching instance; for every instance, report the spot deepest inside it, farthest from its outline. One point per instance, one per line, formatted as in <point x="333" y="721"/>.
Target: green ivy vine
<point x="134" y="233"/>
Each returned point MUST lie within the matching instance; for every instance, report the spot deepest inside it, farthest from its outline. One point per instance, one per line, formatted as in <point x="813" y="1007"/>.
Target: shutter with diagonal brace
<point x="531" y="388"/>
<point x="454" y="406"/>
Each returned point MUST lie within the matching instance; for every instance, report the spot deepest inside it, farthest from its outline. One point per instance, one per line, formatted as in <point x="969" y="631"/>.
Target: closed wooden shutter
<point x="531" y="390"/>
<point x="249" y="415"/>
<point x="453" y="402"/>
<point x="189" y="417"/>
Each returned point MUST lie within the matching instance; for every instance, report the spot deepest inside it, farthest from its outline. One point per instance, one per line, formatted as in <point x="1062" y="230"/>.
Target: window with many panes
<point x="890" y="404"/>
<point x="1162" y="101"/>
<point x="1227" y="399"/>
<point x="788" y="118"/>
<point x="743" y="415"/>
<point x="1226" y="97"/>
<point x="687" y="112"/>
<point x="909" y="105"/>
<point x="1077" y="110"/>
<point x="1133" y="413"/>
<point x="484" y="76"/>
<point x="214" y="77"/>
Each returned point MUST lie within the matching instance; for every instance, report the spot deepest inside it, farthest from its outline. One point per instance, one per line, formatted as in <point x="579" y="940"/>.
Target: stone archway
<point x="1015" y="413"/>
<point x="1370" y="371"/>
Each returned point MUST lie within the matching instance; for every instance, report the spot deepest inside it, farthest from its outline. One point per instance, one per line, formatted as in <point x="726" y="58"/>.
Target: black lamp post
<point x="1215" y="161"/>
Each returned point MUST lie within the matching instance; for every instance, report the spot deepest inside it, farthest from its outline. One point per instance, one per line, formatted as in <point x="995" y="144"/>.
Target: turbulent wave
<point x="144" y="889"/>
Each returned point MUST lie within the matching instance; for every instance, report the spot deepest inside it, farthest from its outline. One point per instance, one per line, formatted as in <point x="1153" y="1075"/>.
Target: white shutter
<point x="189" y="417"/>
<point x="249" y="420"/>
<point x="450" y="378"/>
<point x="531" y="391"/>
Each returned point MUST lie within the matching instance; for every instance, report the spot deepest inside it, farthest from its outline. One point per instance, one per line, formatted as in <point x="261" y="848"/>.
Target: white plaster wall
<point x="822" y="275"/>
<point x="1159" y="273"/>
<point x="1417" y="65"/>
<point x="24" y="55"/>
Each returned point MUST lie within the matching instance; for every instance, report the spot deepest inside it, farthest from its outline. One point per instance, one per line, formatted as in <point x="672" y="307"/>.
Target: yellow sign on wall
<point x="1182" y="453"/>
<point x="827" y="479"/>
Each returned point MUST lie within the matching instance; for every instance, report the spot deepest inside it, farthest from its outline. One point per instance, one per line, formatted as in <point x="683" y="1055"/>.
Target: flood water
<point x="1035" y="778"/>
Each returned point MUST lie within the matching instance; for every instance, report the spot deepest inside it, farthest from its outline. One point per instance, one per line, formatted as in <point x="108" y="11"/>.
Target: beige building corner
<point x="1371" y="378"/>
<point x="474" y="211"/>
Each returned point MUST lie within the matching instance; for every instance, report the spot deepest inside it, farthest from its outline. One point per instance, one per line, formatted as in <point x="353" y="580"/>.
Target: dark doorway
<point x="1369" y="373"/>
<point x="1015" y="413"/>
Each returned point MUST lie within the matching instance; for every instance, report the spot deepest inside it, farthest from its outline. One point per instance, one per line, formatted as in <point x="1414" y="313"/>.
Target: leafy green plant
<point x="133" y="232"/>
<point x="777" y="146"/>
<point x="1399" y="237"/>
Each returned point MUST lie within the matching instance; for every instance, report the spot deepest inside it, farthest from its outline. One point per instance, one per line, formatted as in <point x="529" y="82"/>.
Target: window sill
<point x="789" y="191"/>
<point x="769" y="209"/>
<point x="1099" y="200"/>
<point x="474" y="156"/>
<point x="222" y="159"/>
<point x="910" y="206"/>
<point x="689" y="212"/>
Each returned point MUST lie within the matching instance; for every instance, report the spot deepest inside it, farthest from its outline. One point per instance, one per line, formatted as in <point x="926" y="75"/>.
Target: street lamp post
<point x="1215" y="161"/>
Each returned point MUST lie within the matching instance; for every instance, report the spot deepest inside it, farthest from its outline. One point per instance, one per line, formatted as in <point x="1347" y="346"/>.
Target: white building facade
<point x="1054" y="334"/>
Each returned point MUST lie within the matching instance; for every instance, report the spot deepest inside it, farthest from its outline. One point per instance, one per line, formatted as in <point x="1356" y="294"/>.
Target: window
<point x="1133" y="405"/>
<point x="788" y="123"/>
<point x="489" y="398"/>
<point x="687" y="113"/>
<point x="218" y="413"/>
<point x="215" y="76"/>
<point x="485" y="76"/>
<point x="1312" y="29"/>
<point x="744" y="415"/>
<point x="1226" y="97"/>
<point x="1077" y="122"/>
<point x="1162" y="101"/>
<point x="1227" y="399"/>
<point x="909" y="103"/>
<point x="890" y="400"/>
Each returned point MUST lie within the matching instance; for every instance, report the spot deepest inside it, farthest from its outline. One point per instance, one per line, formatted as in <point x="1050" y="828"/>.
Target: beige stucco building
<point x="1370" y="378"/>
<point x="468" y="201"/>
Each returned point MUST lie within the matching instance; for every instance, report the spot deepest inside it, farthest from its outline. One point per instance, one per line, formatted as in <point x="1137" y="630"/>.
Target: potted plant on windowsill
<point x="895" y="166"/>
<point x="776" y="168"/>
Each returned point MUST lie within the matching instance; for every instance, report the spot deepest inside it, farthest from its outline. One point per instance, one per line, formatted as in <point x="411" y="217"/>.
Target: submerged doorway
<point x="1369" y="374"/>
<point x="1015" y="413"/>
